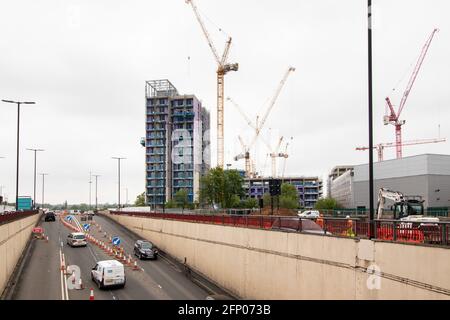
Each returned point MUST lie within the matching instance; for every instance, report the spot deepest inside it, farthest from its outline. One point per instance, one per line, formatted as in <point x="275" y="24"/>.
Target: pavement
<point x="41" y="276"/>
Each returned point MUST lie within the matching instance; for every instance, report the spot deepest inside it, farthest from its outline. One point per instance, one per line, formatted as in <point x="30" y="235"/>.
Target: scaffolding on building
<point x="160" y="88"/>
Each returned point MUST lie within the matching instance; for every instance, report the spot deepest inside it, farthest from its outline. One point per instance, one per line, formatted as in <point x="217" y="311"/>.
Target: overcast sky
<point x="85" y="64"/>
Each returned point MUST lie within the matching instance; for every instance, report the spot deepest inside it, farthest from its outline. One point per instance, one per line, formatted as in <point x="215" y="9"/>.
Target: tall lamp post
<point x="18" y="134"/>
<point x="96" y="199"/>
<point x="43" y="186"/>
<point x="118" y="165"/>
<point x="34" y="188"/>
<point x="90" y="189"/>
<point x="369" y="44"/>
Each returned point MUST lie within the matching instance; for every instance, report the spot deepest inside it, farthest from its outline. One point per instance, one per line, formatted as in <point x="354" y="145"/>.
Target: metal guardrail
<point x="16" y="215"/>
<point x="387" y="230"/>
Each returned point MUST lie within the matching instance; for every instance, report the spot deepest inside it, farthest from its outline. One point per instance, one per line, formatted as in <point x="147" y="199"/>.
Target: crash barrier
<point x="257" y="264"/>
<point x="388" y="230"/>
<point x="16" y="215"/>
<point x="14" y="235"/>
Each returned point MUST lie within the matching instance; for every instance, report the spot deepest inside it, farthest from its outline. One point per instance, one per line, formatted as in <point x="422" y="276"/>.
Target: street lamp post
<point x="34" y="188"/>
<point x="369" y="44"/>
<point x="90" y="189"/>
<point x="96" y="199"/>
<point x="118" y="165"/>
<point x="43" y="186"/>
<point x="18" y="134"/>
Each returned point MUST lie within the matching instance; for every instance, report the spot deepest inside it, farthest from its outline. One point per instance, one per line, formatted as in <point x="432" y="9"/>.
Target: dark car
<point x="145" y="250"/>
<point x="50" y="216"/>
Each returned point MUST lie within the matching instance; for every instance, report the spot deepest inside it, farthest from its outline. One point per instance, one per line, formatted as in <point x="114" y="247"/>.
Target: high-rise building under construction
<point x="176" y="142"/>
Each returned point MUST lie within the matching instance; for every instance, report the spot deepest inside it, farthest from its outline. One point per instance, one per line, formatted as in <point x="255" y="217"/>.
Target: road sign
<point x="116" y="241"/>
<point x="24" y="203"/>
<point x="86" y="226"/>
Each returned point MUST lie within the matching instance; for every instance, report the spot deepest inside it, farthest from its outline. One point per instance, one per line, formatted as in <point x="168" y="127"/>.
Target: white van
<point x="108" y="273"/>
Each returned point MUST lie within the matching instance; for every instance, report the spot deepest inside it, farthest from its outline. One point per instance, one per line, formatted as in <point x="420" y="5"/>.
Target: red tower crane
<point x="394" y="117"/>
<point x="380" y="147"/>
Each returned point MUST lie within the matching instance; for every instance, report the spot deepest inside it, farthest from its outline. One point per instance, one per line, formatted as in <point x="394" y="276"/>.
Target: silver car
<point x="76" y="239"/>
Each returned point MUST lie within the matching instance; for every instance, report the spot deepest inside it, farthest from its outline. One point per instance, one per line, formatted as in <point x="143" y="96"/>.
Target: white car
<point x="309" y="214"/>
<point x="77" y="239"/>
<point x="108" y="273"/>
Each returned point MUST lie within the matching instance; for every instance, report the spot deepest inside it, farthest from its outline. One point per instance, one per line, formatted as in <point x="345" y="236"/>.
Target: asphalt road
<point x="41" y="277"/>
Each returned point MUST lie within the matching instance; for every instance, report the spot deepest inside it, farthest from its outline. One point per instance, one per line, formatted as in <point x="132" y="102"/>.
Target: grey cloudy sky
<point x="85" y="64"/>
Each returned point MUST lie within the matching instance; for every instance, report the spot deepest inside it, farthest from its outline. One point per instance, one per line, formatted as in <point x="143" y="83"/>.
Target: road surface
<point x="42" y="278"/>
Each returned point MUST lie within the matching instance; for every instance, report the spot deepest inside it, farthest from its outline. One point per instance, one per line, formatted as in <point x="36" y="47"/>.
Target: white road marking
<point x="61" y="274"/>
<point x="65" y="279"/>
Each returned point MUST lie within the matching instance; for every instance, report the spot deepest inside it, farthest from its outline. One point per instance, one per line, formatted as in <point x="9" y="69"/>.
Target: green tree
<point x="171" y="204"/>
<point x="221" y="187"/>
<point x="327" y="204"/>
<point x="266" y="199"/>
<point x="181" y="198"/>
<point x="289" y="196"/>
<point x="140" y="200"/>
<point x="250" y="203"/>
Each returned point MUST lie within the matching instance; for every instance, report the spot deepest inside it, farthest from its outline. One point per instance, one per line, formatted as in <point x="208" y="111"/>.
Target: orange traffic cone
<point x="135" y="266"/>
<point x="91" y="296"/>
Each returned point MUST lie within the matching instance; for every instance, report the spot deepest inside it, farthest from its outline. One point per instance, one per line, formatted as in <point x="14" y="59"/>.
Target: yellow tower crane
<point x="222" y="69"/>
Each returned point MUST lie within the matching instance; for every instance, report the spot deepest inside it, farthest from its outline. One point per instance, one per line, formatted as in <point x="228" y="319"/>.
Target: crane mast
<point x="285" y="155"/>
<point x="222" y="69"/>
<point x="274" y="155"/>
<point x="394" y="117"/>
<point x="245" y="155"/>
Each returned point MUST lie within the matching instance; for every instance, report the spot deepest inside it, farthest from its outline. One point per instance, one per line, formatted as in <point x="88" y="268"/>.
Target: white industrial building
<point x="426" y="175"/>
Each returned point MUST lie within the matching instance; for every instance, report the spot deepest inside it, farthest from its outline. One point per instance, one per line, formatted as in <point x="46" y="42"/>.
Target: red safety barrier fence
<point x="387" y="230"/>
<point x="16" y="215"/>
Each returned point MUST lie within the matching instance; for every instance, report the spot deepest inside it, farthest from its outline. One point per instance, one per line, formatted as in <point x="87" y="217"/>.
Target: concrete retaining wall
<point x="13" y="239"/>
<point x="258" y="264"/>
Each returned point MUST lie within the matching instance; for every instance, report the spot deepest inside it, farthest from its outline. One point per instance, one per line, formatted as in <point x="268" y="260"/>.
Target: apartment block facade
<point x="176" y="142"/>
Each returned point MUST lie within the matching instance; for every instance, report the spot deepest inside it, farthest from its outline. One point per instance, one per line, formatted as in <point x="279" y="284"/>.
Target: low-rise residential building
<point x="309" y="189"/>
